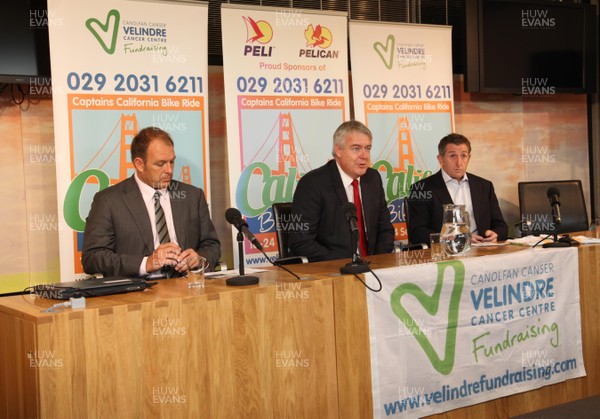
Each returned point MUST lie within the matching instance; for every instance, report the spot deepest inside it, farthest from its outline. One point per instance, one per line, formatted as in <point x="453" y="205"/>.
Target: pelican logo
<point x="259" y="32"/>
<point x="320" y="36"/>
<point x="318" y="39"/>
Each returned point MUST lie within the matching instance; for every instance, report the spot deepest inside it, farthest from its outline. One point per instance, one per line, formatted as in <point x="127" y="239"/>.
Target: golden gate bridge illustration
<point x="283" y="136"/>
<point x="119" y="140"/>
<point x="403" y="144"/>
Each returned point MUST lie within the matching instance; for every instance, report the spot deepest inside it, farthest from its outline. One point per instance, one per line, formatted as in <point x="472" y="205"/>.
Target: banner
<point x="118" y="67"/>
<point x="460" y="332"/>
<point x="402" y="90"/>
<point x="286" y="92"/>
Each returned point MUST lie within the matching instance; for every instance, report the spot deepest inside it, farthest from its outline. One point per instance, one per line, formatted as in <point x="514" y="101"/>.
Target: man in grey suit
<point x="149" y="223"/>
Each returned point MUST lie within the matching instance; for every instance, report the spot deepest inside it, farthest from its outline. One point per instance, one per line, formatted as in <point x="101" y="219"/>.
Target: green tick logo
<point x="386" y="53"/>
<point x="431" y="304"/>
<point x="106" y="31"/>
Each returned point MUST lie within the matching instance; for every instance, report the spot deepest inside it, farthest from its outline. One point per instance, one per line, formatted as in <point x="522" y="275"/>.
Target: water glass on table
<point x="436" y="247"/>
<point x="195" y="277"/>
<point x="596" y="228"/>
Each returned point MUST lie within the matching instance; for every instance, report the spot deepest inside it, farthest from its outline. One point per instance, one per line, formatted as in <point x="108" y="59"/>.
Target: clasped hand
<point x="171" y="254"/>
<point x="490" y="236"/>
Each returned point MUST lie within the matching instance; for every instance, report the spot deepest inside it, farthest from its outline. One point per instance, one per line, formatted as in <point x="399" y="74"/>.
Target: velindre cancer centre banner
<point x="118" y="67"/>
<point x="286" y="91"/>
<point x="402" y="85"/>
<point x="459" y="332"/>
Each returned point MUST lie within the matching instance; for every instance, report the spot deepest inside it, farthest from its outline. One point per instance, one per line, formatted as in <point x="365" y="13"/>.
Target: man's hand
<point x="165" y="254"/>
<point x="188" y="259"/>
<point x="490" y="237"/>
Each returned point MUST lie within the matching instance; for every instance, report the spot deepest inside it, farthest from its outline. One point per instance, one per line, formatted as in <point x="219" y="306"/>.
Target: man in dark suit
<point x="126" y="232"/>
<point x="321" y="194"/>
<point x="453" y="185"/>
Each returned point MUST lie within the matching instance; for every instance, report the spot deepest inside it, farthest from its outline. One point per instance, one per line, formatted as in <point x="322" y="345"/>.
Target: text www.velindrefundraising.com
<point x="482" y="385"/>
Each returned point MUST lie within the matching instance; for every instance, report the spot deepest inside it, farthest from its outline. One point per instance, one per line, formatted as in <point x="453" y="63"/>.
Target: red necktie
<point x="362" y="239"/>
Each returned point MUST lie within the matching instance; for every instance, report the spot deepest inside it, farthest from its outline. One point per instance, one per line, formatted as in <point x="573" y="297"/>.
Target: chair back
<point x="282" y="212"/>
<point x="536" y="211"/>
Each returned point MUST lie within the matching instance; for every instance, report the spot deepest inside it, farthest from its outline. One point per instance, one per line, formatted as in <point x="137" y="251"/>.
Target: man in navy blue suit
<point x="453" y="185"/>
<point x="322" y="193"/>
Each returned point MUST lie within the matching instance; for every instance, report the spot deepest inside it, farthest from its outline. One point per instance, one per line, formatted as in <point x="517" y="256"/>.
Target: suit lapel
<point x="336" y="181"/>
<point x="368" y="192"/>
<point x="475" y="195"/>
<point x="440" y="188"/>
<point x="132" y="198"/>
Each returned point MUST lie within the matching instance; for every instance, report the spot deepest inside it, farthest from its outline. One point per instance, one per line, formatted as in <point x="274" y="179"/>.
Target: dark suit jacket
<point x="425" y="207"/>
<point x="323" y="232"/>
<point x="118" y="233"/>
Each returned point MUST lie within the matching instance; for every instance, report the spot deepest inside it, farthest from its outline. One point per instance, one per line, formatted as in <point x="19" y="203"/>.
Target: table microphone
<point x="234" y="217"/>
<point x="553" y="195"/>
<point x="357" y="266"/>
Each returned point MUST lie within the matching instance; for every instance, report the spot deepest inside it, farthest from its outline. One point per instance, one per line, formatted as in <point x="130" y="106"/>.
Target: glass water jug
<point x="456" y="230"/>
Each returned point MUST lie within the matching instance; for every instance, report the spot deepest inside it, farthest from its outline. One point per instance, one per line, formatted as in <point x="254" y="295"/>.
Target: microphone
<point x="357" y="265"/>
<point x="553" y="195"/>
<point x="349" y="210"/>
<point x="234" y="217"/>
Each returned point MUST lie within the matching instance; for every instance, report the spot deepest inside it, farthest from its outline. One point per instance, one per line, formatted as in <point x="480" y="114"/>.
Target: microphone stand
<point x="555" y="240"/>
<point x="241" y="279"/>
<point x="357" y="266"/>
